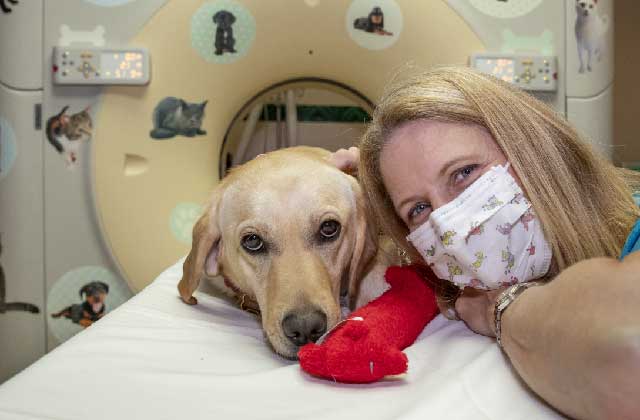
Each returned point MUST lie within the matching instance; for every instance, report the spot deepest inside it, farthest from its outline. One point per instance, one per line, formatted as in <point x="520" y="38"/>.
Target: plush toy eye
<point x="252" y="243"/>
<point x="329" y="229"/>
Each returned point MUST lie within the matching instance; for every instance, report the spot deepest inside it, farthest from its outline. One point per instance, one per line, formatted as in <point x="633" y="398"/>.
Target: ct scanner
<point x="121" y="205"/>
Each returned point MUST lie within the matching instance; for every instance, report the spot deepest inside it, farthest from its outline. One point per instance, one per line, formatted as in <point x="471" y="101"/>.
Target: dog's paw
<point x="190" y="301"/>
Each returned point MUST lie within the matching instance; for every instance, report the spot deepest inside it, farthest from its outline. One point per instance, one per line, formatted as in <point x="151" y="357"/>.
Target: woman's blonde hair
<point x="584" y="203"/>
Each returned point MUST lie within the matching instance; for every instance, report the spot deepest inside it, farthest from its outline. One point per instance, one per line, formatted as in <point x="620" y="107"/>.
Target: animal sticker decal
<point x="12" y="306"/>
<point x="176" y="117"/>
<point x="224" y="41"/>
<point x="374" y="23"/>
<point x="82" y="296"/>
<point x="5" y="8"/>
<point x="222" y="31"/>
<point x="590" y="29"/>
<point x="91" y="309"/>
<point x="66" y="132"/>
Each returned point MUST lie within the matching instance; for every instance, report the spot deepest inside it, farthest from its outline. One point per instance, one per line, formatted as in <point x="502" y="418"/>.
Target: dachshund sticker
<point x="374" y="24"/>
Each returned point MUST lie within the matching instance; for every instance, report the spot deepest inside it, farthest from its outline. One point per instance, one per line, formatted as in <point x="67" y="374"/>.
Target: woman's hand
<point x="475" y="307"/>
<point x="346" y="159"/>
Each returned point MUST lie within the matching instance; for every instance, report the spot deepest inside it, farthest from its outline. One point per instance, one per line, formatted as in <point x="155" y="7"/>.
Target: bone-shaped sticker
<point x="93" y="37"/>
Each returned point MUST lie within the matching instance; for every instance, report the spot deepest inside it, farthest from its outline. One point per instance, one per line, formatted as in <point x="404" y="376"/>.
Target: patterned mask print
<point x="486" y="238"/>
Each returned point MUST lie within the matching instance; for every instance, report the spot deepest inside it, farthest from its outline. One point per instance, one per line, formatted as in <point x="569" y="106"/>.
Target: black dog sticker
<point x="374" y="23"/>
<point x="224" y="42"/>
<point x="93" y="307"/>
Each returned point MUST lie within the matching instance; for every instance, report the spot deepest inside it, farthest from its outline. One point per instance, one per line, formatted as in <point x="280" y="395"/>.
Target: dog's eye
<point x="252" y="243"/>
<point x="329" y="229"/>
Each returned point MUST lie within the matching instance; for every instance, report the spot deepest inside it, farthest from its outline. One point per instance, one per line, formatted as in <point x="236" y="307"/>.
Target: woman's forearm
<point x="576" y="340"/>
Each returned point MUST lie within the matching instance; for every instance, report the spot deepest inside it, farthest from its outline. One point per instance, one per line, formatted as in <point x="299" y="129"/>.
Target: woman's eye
<point x="464" y="173"/>
<point x="252" y="243"/>
<point x="418" y="209"/>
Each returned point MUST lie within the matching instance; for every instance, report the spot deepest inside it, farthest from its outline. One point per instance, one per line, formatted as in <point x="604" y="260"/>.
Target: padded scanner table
<point x="156" y="358"/>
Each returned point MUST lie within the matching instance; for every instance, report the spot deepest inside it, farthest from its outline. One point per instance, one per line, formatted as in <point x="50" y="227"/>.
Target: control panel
<point x="100" y="66"/>
<point x="529" y="72"/>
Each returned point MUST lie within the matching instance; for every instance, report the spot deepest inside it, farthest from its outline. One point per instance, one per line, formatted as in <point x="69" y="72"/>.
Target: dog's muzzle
<point x="304" y="326"/>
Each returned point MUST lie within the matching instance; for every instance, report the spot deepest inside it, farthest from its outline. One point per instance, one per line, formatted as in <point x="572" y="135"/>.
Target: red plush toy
<point x="368" y="345"/>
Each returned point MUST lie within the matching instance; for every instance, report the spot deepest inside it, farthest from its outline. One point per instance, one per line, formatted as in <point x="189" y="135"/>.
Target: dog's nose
<point x="302" y="327"/>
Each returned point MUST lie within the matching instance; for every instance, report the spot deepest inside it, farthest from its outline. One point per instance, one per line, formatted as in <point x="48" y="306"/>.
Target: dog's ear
<point x="365" y="245"/>
<point x="205" y="249"/>
<point x="84" y="290"/>
<point x="218" y="16"/>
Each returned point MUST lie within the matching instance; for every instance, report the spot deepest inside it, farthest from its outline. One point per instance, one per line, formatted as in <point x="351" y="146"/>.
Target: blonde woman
<point x="497" y="193"/>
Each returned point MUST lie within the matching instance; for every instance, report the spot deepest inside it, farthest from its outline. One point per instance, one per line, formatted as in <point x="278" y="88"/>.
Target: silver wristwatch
<point x="504" y="300"/>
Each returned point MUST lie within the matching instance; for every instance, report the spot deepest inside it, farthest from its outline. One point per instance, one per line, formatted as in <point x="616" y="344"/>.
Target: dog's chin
<point x="289" y="352"/>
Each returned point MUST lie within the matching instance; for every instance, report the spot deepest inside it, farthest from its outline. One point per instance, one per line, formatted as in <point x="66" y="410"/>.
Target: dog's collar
<point x="245" y="302"/>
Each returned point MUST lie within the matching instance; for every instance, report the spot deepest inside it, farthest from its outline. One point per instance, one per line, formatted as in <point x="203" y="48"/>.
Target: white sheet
<point x="157" y="358"/>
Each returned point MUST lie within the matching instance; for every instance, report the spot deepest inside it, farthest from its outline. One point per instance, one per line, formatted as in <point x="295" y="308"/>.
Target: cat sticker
<point x="176" y="117"/>
<point x="591" y="29"/>
<point x="12" y="306"/>
<point x="66" y="132"/>
<point x="4" y="7"/>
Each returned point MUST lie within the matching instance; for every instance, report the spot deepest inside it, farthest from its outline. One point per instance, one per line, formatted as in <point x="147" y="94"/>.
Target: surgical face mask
<point x="486" y="238"/>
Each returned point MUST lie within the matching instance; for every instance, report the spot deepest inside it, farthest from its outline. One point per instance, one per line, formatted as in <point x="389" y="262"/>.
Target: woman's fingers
<point x="346" y="159"/>
<point x="475" y="307"/>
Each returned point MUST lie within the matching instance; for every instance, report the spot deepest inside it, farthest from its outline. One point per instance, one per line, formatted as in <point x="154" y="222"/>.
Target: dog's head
<point x="289" y="229"/>
<point x="585" y="7"/>
<point x="224" y="19"/>
<point x="376" y="16"/>
<point x="95" y="293"/>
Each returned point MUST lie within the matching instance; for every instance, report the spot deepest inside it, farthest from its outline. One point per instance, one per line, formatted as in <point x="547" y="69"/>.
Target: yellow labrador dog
<point x="289" y="233"/>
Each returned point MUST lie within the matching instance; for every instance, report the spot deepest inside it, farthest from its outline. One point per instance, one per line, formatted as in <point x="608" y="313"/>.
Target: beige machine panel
<point x="21" y="44"/>
<point x="22" y="326"/>
<point x="138" y="181"/>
